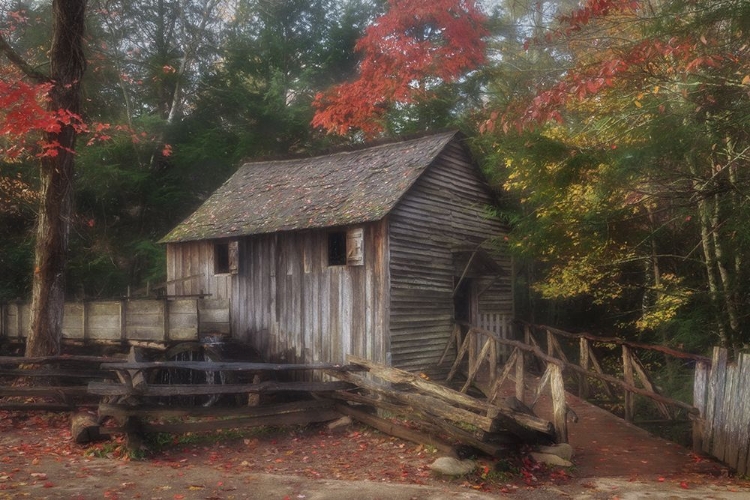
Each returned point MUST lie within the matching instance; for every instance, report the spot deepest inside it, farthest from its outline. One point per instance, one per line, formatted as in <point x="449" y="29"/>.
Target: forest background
<point x="616" y="133"/>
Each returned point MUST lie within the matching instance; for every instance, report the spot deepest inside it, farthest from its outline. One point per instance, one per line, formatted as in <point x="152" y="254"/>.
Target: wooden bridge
<point x="718" y="412"/>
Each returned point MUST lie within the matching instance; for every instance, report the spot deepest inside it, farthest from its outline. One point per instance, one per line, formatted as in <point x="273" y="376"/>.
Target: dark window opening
<point x="221" y="258"/>
<point x="337" y="248"/>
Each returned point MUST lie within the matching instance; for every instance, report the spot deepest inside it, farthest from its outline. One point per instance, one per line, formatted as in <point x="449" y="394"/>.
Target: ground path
<point x="614" y="461"/>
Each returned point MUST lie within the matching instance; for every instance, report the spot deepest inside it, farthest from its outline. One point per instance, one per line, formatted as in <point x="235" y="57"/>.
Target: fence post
<point x="583" y="387"/>
<point x="628" y="376"/>
<point x="700" y="387"/>
<point x="559" y="407"/>
<point x="520" y="376"/>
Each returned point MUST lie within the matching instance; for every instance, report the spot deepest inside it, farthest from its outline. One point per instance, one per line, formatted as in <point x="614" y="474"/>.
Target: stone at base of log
<point x="84" y="428"/>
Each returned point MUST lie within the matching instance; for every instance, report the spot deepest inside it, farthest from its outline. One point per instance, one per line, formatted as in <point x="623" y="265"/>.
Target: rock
<point x="450" y="466"/>
<point x="549" y="459"/>
<point x="562" y="450"/>
<point x="341" y="423"/>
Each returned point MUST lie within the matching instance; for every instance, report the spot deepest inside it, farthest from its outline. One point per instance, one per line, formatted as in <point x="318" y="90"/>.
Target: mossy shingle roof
<point x="334" y="190"/>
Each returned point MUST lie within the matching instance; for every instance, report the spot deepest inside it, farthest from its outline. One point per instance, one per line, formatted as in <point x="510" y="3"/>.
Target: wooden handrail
<point x="614" y="340"/>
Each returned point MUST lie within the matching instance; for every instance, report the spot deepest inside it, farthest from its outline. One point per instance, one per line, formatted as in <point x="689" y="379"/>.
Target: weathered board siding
<point x="722" y="395"/>
<point x="445" y="209"/>
<point x="190" y="271"/>
<point x="155" y="320"/>
<point x="288" y="303"/>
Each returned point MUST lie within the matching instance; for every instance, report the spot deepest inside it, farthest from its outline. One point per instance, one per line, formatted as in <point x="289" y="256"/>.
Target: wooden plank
<point x="299" y="418"/>
<point x="718" y="368"/>
<point x="162" y="411"/>
<point x="618" y="341"/>
<point x="735" y="420"/>
<point x="103" y="320"/>
<point x="114" y="389"/>
<point x="228" y="366"/>
<point x="509" y="365"/>
<point x="459" y="357"/>
<point x="45" y="391"/>
<point x="722" y="434"/>
<point x="642" y="373"/>
<point x="559" y="406"/>
<point x="598" y="369"/>
<point x="743" y="437"/>
<point x="628" y="376"/>
<point x="393" y="429"/>
<point x="542" y="383"/>
<point x="700" y="382"/>
<point x="520" y="377"/>
<point x="584" y="362"/>
<point x="72" y="327"/>
<point x="477" y="363"/>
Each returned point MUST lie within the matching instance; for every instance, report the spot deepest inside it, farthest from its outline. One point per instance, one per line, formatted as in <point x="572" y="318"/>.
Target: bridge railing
<point x="561" y="354"/>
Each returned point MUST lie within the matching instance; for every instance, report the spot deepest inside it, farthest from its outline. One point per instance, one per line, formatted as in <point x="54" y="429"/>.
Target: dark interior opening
<point x="462" y="300"/>
<point x="337" y="248"/>
<point x="221" y="258"/>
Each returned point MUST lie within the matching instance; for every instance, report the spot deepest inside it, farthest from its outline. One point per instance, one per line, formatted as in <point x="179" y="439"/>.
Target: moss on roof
<point x="334" y="190"/>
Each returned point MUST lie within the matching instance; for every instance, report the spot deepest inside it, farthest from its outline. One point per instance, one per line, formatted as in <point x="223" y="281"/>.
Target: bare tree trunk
<point x="709" y="258"/>
<point x="67" y="65"/>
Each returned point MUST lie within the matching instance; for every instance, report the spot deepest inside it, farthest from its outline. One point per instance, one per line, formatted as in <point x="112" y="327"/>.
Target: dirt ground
<point x="39" y="460"/>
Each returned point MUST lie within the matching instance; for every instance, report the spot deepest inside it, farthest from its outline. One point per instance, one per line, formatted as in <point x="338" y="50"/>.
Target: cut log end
<point x="84" y="428"/>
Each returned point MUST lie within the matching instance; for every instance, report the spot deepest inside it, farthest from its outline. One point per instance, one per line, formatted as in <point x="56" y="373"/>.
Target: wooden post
<point x="627" y="367"/>
<point x="477" y="363"/>
<point x="583" y="381"/>
<point x="165" y="336"/>
<point x="459" y="357"/>
<point x="509" y="364"/>
<point x="493" y="361"/>
<point x="550" y="344"/>
<point x="647" y="384"/>
<point x="700" y="386"/>
<point x="455" y="337"/>
<point x="520" y="376"/>
<point x="559" y="407"/>
<point x="123" y="318"/>
<point x="472" y="350"/>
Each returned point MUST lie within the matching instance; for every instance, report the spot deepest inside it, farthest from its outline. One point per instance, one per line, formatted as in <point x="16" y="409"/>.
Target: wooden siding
<point x="155" y="320"/>
<point x="190" y="271"/>
<point x="444" y="210"/>
<point x="287" y="302"/>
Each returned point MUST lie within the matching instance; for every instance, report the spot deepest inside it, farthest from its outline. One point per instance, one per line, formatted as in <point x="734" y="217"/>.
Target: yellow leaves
<point x="670" y="296"/>
<point x="746" y="80"/>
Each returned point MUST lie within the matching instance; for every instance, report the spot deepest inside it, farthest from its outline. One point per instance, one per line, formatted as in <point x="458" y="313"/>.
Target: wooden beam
<point x="559" y="406"/>
<point x="163" y="390"/>
<point x="627" y="370"/>
<point x="393" y="429"/>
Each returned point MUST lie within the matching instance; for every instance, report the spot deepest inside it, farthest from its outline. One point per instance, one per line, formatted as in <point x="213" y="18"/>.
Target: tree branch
<point x="18" y="61"/>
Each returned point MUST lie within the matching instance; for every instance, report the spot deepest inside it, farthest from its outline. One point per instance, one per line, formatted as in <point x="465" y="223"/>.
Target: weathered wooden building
<point x="374" y="252"/>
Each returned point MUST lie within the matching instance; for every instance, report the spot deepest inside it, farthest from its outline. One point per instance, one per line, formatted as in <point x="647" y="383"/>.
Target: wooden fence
<point x="719" y="412"/>
<point x="722" y="395"/>
<point x="149" y="320"/>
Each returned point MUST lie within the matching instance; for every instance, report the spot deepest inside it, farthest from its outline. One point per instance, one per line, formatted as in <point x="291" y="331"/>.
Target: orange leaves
<point x="416" y="45"/>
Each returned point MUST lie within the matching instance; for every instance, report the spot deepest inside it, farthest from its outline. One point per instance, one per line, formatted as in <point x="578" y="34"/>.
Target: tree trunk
<point x="67" y="65"/>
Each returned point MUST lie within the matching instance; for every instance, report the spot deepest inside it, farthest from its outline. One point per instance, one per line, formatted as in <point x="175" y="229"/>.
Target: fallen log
<point x="393" y="429"/>
<point x="528" y="427"/>
<point x="84" y="428"/>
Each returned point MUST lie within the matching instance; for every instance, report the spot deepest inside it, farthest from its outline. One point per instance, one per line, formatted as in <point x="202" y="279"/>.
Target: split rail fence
<point x="719" y="412"/>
